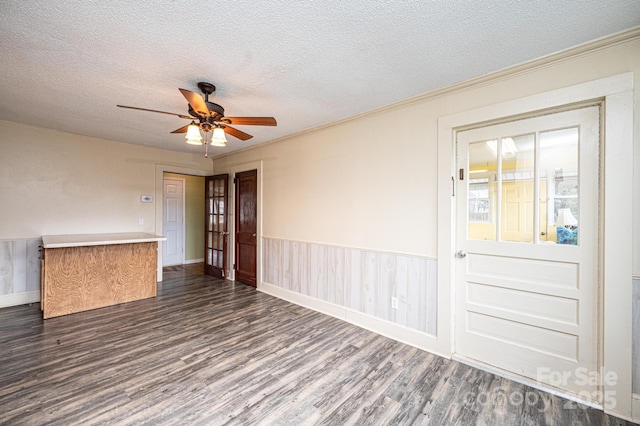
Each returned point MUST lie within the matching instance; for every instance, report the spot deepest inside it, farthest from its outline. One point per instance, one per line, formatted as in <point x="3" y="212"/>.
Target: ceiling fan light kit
<point x="207" y="118"/>
<point x="218" y="138"/>
<point x="193" y="136"/>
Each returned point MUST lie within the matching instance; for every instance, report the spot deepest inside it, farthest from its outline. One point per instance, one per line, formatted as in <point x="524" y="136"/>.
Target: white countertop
<point x="79" y="240"/>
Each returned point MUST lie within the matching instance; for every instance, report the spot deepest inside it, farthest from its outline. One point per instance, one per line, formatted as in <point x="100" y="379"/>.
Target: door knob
<point x="254" y="235"/>
<point x="460" y="254"/>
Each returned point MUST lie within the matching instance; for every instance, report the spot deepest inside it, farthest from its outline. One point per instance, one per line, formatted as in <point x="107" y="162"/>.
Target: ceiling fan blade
<point x="153" y="110"/>
<point x="196" y="102"/>
<point x="251" y="121"/>
<point x="182" y="129"/>
<point x="237" y="133"/>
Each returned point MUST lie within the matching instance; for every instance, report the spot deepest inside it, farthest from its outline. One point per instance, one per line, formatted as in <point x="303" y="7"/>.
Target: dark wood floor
<point x="181" y="271"/>
<point x="210" y="352"/>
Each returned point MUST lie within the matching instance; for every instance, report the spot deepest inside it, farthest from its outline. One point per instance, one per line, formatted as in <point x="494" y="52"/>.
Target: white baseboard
<point x="385" y="328"/>
<point x="188" y="262"/>
<point x="16" y="299"/>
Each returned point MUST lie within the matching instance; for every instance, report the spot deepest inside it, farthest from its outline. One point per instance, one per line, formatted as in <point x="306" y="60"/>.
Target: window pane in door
<point x="479" y="200"/>
<point x="559" y="163"/>
<point x="481" y="192"/>
<point x="517" y="206"/>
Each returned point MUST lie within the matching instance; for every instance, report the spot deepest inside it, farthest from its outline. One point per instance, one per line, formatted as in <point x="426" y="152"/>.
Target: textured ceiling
<point x="67" y="63"/>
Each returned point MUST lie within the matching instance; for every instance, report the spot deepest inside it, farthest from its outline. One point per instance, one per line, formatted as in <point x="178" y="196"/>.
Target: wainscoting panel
<point x="362" y="280"/>
<point x="19" y="272"/>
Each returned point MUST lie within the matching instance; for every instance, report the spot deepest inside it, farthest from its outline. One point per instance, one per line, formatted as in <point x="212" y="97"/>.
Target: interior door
<point x="527" y="241"/>
<point x="173" y="222"/>
<point x="216" y="232"/>
<point x="246" y="214"/>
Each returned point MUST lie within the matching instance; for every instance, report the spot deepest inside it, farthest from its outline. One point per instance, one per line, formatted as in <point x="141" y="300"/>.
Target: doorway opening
<point x="183" y="216"/>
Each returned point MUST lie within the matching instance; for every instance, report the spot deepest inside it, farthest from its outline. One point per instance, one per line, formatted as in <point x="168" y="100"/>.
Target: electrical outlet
<point x="394" y="303"/>
<point x="141" y="221"/>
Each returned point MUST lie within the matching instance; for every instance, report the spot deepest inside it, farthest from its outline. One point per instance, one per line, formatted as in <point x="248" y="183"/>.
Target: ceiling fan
<point x="208" y="117"/>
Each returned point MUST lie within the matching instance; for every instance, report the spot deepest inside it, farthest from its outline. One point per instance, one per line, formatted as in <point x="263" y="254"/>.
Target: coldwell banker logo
<point x="582" y="376"/>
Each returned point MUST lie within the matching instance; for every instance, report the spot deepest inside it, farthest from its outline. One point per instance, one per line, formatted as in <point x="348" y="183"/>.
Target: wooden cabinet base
<point x="78" y="279"/>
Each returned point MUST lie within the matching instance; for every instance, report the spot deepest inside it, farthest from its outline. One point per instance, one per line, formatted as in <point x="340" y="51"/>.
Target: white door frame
<point x="616" y="211"/>
<point x="184" y="219"/>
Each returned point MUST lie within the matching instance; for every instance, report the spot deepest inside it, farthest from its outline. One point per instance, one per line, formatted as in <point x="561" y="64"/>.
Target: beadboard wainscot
<point x="19" y="272"/>
<point x="356" y="285"/>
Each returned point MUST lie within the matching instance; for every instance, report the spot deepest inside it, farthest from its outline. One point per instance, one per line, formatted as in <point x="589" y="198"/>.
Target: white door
<point x="173" y="222"/>
<point x="527" y="249"/>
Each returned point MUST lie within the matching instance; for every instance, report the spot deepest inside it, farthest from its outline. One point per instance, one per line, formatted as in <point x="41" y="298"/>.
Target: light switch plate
<point x="146" y="198"/>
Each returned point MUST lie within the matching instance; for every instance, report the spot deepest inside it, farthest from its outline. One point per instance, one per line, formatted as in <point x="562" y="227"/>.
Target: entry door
<point x="246" y="199"/>
<point x="216" y="235"/>
<point x="527" y="238"/>
<point x="173" y="222"/>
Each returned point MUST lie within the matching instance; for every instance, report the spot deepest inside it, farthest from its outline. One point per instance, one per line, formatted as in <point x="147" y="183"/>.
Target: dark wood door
<point x="216" y="235"/>
<point x="246" y="226"/>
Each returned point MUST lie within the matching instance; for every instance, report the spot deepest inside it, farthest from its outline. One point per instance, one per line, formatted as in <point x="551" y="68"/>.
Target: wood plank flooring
<point x="210" y="352"/>
<point x="188" y="270"/>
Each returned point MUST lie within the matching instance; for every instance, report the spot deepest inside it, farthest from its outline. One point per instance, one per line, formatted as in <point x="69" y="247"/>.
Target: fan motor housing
<point x="217" y="112"/>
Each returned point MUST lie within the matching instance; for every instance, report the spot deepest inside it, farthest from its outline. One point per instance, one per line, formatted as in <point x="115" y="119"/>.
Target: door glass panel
<point x="507" y="199"/>
<point x="517" y="188"/>
<point x="481" y="192"/>
<point x="559" y="166"/>
<point x="216" y="225"/>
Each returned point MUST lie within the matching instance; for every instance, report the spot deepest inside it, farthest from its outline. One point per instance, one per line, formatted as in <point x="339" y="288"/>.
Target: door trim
<point x="231" y="220"/>
<point x="615" y="249"/>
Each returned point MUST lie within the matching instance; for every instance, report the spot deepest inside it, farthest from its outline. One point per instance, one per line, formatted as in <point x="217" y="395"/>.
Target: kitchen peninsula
<point x="88" y="271"/>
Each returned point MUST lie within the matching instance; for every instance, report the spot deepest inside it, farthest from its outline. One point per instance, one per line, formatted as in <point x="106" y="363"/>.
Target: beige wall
<point x="194" y="215"/>
<point x="58" y="183"/>
<point x="371" y="182"/>
<point x="358" y="184"/>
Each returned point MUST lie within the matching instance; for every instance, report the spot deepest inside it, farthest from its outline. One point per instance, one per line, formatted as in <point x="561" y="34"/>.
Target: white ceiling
<point x="67" y="63"/>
